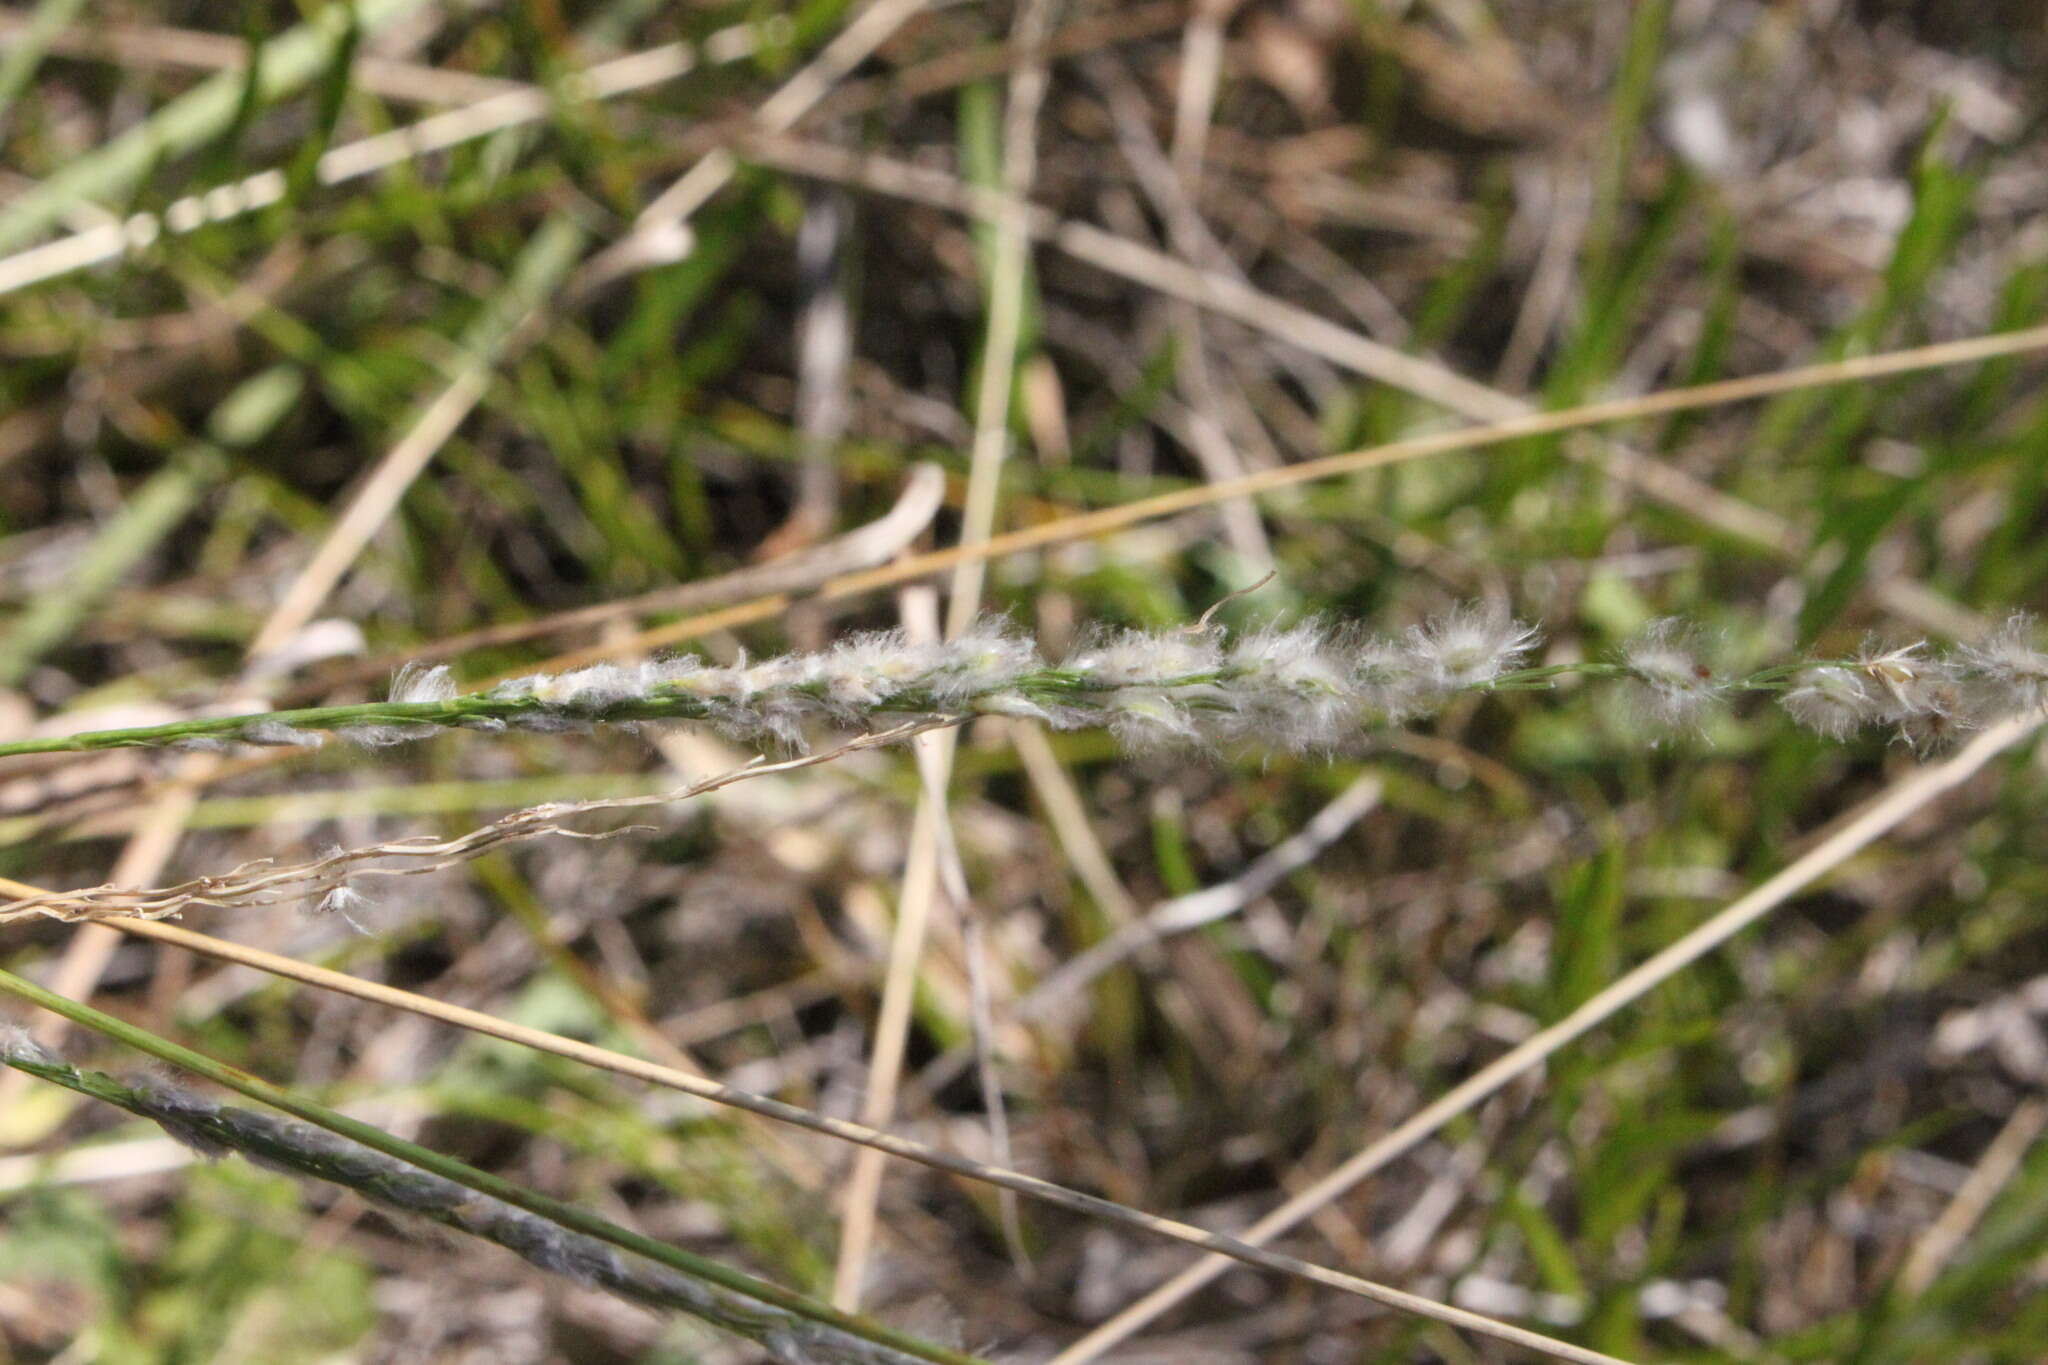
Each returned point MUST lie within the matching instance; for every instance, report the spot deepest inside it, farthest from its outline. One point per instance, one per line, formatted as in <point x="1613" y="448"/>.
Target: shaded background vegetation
<point x="1763" y="1161"/>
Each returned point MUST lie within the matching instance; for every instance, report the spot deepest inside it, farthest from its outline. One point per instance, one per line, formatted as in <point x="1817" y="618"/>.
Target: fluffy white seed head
<point x="2012" y="671"/>
<point x="1137" y="657"/>
<point x="1832" y="700"/>
<point x="592" y="688"/>
<point x="1469" y="647"/>
<point x="1670" y="684"/>
<point x="1306" y="687"/>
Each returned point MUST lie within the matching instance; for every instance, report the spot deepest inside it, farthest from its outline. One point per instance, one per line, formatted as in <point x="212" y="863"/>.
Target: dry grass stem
<point x="262" y="884"/>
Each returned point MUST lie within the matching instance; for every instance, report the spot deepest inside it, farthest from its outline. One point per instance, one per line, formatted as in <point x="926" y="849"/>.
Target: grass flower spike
<point x="1309" y="687"/>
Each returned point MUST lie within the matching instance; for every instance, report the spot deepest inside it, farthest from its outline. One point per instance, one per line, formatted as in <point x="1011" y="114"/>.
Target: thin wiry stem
<point x="403" y="1175"/>
<point x="262" y="882"/>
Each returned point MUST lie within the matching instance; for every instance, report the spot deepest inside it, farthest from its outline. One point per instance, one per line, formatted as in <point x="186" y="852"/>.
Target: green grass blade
<point x="322" y="1160"/>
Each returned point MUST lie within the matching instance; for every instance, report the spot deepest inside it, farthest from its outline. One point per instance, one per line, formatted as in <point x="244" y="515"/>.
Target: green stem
<point x="210" y="1124"/>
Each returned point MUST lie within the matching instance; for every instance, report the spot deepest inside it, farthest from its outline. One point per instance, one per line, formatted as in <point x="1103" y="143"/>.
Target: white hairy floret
<point x="987" y="658"/>
<point x="345" y="902"/>
<point x="590" y="688"/>
<point x="1905" y="675"/>
<point x="380" y="736"/>
<point x="419" y="682"/>
<point x="1136" y="657"/>
<point x="18" y="1044"/>
<point x="1832" y="700"/>
<point x="1671" y="684"/>
<point x="415" y="683"/>
<point x="1147" y="717"/>
<point x="1295" y="660"/>
<point x="688" y="676"/>
<point x="1133" y="665"/>
<point x="2014" y="671"/>
<point x="277" y="733"/>
<point x="1290" y="687"/>
<point x="1387" y="678"/>
<point x="868" y="669"/>
<point x="1469" y="646"/>
<point x="1922" y="695"/>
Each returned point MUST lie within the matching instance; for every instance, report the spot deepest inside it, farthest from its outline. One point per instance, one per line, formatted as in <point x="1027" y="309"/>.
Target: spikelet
<point x="1468" y="647"/>
<point x="1292" y="688"/>
<point x="1670" y="685"/>
<point x="2014" y="673"/>
<point x="1832" y="700"/>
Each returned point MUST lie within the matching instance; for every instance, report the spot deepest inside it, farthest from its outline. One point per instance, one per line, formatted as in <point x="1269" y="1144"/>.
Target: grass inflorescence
<point x="1309" y="687"/>
<point x="1670" y="980"/>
